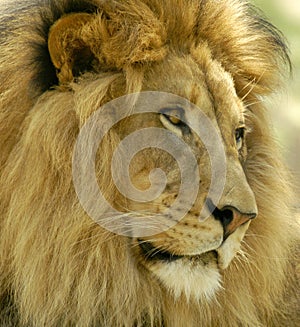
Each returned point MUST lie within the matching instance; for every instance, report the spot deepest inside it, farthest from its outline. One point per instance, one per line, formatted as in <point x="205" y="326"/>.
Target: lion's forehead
<point x="207" y="85"/>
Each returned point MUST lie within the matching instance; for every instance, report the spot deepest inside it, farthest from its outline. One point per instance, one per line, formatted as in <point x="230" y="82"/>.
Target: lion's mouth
<point x="151" y="253"/>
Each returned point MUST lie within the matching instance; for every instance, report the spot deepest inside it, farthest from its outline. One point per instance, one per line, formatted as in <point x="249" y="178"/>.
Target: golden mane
<point x="57" y="266"/>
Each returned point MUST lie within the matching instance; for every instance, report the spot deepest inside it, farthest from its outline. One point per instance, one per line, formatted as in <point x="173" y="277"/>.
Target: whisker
<point x="253" y="83"/>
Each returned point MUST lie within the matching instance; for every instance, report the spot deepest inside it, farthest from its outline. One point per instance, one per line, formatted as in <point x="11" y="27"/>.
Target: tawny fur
<point x="58" y="267"/>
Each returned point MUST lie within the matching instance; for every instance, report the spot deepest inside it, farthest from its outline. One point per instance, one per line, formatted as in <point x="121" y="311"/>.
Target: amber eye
<point x="239" y="136"/>
<point x="174" y="115"/>
<point x="172" y="119"/>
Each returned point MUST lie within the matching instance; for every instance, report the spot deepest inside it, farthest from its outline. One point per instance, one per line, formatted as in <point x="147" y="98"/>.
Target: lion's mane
<point x="58" y="268"/>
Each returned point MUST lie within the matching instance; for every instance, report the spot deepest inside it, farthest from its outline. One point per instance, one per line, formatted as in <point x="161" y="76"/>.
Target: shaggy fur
<point x="58" y="267"/>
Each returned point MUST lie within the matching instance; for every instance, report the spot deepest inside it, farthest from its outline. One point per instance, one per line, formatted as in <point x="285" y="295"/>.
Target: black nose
<point x="230" y="217"/>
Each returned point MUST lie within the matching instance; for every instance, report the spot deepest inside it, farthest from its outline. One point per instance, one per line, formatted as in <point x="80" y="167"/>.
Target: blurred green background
<point x="285" y="14"/>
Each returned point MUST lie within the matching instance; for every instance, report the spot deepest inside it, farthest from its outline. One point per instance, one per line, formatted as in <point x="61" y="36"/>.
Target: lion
<point x="60" y="61"/>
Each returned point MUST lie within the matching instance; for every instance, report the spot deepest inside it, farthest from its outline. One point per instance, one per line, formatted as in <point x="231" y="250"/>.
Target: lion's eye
<point x="172" y="119"/>
<point x="239" y="136"/>
<point x="174" y="115"/>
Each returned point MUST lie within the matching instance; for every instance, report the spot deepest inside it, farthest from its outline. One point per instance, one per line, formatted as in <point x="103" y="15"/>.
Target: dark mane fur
<point x="46" y="12"/>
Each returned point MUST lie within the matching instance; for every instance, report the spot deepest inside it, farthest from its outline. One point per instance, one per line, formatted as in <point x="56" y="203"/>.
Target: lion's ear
<point x="69" y="53"/>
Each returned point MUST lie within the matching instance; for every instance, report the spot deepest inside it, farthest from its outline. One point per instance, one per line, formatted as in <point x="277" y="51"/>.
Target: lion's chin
<point x="195" y="277"/>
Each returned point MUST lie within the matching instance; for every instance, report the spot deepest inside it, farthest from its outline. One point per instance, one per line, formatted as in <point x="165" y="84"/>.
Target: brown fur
<point x="58" y="267"/>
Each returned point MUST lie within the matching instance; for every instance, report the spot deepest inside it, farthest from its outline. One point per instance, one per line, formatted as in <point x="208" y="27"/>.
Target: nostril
<point x="225" y="216"/>
<point x="230" y="217"/>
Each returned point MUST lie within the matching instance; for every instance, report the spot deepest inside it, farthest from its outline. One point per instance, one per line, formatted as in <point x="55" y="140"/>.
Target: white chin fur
<point x="189" y="278"/>
<point x="199" y="277"/>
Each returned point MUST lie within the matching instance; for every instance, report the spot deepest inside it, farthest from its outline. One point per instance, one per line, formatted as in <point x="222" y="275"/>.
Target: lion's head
<point x="171" y="267"/>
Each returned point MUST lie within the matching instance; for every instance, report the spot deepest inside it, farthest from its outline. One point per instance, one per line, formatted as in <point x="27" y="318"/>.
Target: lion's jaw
<point x="195" y="276"/>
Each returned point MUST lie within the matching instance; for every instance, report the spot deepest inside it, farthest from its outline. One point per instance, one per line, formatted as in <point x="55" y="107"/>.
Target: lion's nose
<point x="231" y="218"/>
